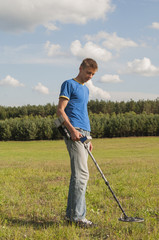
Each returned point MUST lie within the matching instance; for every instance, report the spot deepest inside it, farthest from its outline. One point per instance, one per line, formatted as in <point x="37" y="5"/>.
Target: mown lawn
<point x="34" y="179"/>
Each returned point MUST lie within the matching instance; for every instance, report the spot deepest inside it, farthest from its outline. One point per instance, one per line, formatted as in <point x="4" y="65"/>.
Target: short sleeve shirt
<point x="76" y="109"/>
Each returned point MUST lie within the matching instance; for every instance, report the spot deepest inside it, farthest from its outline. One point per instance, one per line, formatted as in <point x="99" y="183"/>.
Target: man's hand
<point x="76" y="135"/>
<point x="90" y="147"/>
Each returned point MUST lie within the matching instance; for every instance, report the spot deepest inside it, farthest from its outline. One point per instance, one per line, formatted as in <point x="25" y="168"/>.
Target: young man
<point x="72" y="106"/>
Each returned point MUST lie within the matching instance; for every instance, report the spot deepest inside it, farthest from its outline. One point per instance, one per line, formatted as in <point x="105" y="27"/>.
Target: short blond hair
<point x="89" y="62"/>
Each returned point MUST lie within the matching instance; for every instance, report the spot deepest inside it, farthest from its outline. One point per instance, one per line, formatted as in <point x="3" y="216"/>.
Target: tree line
<point x="28" y="110"/>
<point x="102" y="125"/>
<point x="141" y="106"/>
<point x="94" y="106"/>
<point x="107" y="118"/>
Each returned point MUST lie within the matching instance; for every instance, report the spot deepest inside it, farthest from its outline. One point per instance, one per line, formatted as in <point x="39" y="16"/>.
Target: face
<point x="87" y="73"/>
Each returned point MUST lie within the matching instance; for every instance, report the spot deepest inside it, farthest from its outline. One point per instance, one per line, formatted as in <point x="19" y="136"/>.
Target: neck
<point x="78" y="78"/>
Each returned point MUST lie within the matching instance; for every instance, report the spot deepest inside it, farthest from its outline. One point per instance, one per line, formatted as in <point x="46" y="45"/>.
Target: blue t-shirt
<point x="76" y="109"/>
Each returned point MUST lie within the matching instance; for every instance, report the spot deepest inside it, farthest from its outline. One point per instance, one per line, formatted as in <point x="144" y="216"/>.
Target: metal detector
<point x="85" y="140"/>
<point x="123" y="218"/>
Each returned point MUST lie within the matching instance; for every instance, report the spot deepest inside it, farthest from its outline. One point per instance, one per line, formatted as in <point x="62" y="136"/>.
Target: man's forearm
<point x="75" y="135"/>
<point x="67" y="123"/>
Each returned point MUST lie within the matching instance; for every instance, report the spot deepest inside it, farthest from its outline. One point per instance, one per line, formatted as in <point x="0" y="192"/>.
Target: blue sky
<point x="42" y="43"/>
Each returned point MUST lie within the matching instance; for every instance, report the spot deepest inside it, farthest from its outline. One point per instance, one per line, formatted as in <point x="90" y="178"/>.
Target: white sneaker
<point x="81" y="223"/>
<point x="84" y="223"/>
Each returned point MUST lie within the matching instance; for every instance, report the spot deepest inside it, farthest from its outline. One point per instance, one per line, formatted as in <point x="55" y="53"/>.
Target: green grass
<point x="34" y="179"/>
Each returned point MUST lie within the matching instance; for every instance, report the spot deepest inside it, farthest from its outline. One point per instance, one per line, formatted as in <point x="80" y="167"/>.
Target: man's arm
<point x="75" y="135"/>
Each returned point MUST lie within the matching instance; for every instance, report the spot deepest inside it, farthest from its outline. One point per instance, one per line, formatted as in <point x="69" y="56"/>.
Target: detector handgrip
<point x="86" y="139"/>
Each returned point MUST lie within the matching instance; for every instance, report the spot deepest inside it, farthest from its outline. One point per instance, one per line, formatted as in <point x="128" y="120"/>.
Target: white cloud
<point x="155" y="25"/>
<point x="142" y="67"/>
<point x="97" y="93"/>
<point x="10" y="81"/>
<point x="52" y="49"/>
<point x="90" y="50"/>
<point x="50" y="26"/>
<point x="108" y="78"/>
<point x="24" y="15"/>
<point x="112" y="41"/>
<point x="41" y="89"/>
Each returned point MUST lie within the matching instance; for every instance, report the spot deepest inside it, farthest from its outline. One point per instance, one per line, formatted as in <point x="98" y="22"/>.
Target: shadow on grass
<point x="35" y="223"/>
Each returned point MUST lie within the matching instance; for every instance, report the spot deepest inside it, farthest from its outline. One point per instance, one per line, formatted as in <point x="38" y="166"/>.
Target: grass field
<point x="34" y="179"/>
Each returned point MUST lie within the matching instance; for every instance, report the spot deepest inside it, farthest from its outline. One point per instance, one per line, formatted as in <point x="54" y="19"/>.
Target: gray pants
<point x="76" y="205"/>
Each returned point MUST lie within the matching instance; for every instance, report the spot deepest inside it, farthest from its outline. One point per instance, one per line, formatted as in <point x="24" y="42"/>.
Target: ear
<point x="80" y="68"/>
